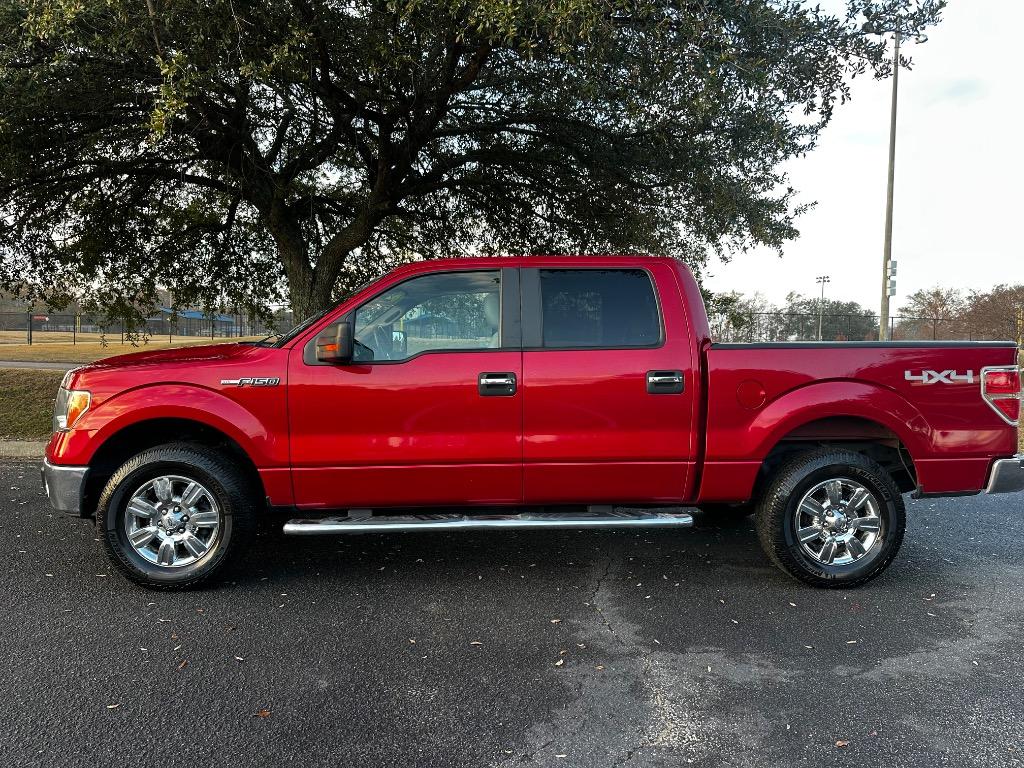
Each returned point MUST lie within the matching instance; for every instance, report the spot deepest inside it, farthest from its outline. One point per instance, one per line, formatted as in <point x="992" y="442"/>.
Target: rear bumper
<point x="1007" y="475"/>
<point x="64" y="486"/>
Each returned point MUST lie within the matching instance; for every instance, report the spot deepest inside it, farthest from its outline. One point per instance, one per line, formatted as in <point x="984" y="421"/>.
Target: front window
<point x="446" y="311"/>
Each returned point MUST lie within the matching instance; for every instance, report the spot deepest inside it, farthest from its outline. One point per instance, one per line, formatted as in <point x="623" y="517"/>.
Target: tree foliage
<point x="929" y="313"/>
<point x="947" y="313"/>
<point x="753" y="318"/>
<point x="227" y="148"/>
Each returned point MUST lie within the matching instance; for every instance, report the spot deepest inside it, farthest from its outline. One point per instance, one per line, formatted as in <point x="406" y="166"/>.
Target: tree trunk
<point x="311" y="289"/>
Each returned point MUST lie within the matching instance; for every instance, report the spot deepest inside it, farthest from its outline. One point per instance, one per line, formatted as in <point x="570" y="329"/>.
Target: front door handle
<point x="496" y="384"/>
<point x="665" y="382"/>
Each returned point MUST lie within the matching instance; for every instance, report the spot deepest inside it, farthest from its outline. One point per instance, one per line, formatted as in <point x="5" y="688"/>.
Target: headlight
<point x="71" y="404"/>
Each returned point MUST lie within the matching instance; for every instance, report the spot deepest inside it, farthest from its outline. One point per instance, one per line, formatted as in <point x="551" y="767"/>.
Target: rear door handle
<point x="496" y="384"/>
<point x="665" y="382"/>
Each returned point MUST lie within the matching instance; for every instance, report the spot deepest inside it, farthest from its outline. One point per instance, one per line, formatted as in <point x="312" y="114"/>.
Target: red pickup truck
<point x="529" y="392"/>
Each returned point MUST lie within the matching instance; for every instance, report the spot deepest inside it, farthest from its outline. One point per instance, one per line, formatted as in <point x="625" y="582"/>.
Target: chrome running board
<point x="449" y="522"/>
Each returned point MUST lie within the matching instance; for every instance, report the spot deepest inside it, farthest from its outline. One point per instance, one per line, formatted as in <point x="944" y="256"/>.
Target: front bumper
<point x="64" y="486"/>
<point x="1007" y="475"/>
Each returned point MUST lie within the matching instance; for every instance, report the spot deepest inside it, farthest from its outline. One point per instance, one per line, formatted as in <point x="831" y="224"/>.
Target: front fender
<point x="260" y="431"/>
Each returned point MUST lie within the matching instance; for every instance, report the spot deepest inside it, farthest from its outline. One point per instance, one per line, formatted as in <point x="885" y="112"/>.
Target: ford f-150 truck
<point x="528" y="392"/>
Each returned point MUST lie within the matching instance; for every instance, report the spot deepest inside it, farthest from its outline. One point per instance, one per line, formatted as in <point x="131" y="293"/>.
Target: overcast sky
<point x="959" y="206"/>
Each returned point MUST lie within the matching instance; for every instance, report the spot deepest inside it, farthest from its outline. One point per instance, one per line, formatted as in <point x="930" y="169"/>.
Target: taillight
<point x="1001" y="389"/>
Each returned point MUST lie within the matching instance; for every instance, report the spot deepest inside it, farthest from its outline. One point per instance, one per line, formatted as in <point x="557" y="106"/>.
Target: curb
<point x="39" y="365"/>
<point x="22" y="449"/>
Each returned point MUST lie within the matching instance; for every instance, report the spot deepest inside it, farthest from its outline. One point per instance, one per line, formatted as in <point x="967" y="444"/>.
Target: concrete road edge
<point x="22" y="449"/>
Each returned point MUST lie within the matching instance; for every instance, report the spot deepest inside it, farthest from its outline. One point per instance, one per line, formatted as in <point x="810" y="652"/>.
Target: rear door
<point x="608" y="404"/>
<point x="428" y="412"/>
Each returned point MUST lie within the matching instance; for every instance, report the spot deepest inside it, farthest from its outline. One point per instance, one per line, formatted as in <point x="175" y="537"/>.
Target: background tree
<point x="215" y="148"/>
<point x="841" y="320"/>
<point x="996" y="314"/>
<point x="929" y="312"/>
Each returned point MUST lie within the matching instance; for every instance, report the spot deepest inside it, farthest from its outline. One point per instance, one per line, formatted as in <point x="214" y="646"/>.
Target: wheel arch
<point x="861" y="434"/>
<point x="137" y="436"/>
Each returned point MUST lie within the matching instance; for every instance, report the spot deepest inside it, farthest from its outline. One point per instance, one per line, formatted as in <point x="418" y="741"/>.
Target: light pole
<point x="875" y="25"/>
<point x="821" y="279"/>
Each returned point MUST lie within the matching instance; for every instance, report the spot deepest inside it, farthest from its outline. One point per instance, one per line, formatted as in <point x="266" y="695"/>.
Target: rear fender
<point x="828" y="399"/>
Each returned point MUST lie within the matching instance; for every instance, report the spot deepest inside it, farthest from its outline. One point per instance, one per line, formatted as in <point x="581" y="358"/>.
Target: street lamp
<point x="821" y="279"/>
<point x="876" y="25"/>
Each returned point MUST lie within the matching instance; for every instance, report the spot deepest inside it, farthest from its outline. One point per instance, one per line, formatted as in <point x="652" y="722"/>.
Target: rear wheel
<point x="172" y="516"/>
<point x="831" y="518"/>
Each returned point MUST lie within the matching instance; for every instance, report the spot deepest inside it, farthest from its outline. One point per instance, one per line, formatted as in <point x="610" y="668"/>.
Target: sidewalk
<point x="22" y="449"/>
<point x="41" y="364"/>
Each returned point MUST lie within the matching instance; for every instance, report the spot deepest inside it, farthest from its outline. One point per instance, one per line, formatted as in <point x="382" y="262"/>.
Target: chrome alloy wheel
<point x="837" y="522"/>
<point x="172" y="521"/>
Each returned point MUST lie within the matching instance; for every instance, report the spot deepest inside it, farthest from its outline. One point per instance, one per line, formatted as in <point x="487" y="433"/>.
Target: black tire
<point x="232" y="491"/>
<point x="777" y="518"/>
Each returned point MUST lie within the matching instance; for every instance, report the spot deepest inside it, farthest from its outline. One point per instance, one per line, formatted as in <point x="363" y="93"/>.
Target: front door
<point x="428" y="412"/>
<point x="608" y="386"/>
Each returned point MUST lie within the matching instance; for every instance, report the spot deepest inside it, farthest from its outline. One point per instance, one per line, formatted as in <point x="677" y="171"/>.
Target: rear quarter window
<point x="595" y="308"/>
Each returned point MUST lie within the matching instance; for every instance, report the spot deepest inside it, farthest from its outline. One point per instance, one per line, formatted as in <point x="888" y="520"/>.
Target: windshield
<point x="284" y="338"/>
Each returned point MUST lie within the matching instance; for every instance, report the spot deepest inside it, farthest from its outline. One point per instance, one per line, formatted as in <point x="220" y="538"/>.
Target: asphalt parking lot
<point x="660" y="648"/>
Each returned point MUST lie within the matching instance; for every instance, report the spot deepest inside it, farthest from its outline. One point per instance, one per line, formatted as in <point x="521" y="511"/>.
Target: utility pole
<point x="902" y="28"/>
<point x="883" y="325"/>
<point x="821" y="279"/>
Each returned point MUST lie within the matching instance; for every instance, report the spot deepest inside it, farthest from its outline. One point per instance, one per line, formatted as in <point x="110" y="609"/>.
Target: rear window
<point x="598" y="308"/>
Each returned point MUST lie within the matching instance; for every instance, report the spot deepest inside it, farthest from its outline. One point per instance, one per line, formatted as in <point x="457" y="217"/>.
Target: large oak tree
<point x="226" y="148"/>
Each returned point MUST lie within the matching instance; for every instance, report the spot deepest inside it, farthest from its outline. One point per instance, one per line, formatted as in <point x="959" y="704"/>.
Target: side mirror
<point x="335" y="344"/>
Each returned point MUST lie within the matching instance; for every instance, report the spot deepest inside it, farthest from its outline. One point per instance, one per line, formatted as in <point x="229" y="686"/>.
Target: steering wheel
<point x="383" y="341"/>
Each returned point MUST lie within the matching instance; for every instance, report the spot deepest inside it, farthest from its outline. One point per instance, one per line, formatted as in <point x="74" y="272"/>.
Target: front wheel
<point x="831" y="518"/>
<point x="172" y="516"/>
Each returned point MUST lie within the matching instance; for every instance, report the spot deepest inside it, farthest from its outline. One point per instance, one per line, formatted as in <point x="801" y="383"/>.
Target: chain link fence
<point x="761" y="327"/>
<point x="43" y="327"/>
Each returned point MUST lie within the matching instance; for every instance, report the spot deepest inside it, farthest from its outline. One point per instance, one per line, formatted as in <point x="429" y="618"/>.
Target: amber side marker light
<point x="70" y="406"/>
<point x="1001" y="389"/>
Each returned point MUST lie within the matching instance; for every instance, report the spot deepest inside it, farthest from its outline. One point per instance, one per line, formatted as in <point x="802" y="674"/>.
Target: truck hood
<point x="204" y="354"/>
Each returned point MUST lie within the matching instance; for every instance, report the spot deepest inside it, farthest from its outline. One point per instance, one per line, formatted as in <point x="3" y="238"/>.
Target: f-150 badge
<point x="940" y="377"/>
<point x="259" y="381"/>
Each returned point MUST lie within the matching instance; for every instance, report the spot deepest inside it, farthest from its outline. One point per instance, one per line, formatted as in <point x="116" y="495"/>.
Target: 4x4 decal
<point x="940" y="377"/>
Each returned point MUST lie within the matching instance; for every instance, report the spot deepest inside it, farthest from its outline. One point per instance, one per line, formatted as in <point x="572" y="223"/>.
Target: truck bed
<point x="926" y="395"/>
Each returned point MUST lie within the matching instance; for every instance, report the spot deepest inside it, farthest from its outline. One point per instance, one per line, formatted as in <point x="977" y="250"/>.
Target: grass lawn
<point x="48" y="351"/>
<point x="26" y="402"/>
